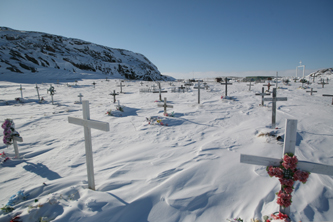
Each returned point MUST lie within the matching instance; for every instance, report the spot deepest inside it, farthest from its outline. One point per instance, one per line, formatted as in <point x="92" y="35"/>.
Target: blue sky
<point x="191" y="38"/>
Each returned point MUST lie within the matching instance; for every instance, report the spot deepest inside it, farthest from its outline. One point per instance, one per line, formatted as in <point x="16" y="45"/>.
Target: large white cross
<point x="15" y="140"/>
<point x="87" y="125"/>
<point x="302" y="66"/>
<point x="165" y="105"/>
<point x="274" y="99"/>
<point x="226" y="83"/>
<point x="288" y="147"/>
<point x="198" y="87"/>
<point x="21" y="89"/>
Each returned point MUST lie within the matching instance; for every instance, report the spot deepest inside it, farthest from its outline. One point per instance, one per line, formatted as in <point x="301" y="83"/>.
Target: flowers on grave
<point x="236" y="220"/>
<point x="3" y="157"/>
<point x="277" y="216"/>
<point x="169" y="114"/>
<point x="120" y="108"/>
<point x="13" y="200"/>
<point x="18" y="99"/>
<point x="287" y="174"/>
<point x="155" y="121"/>
<point x="9" y="131"/>
<point x="109" y="113"/>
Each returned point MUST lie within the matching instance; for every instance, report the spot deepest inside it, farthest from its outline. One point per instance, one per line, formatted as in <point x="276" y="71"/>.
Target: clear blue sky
<point x="189" y="37"/>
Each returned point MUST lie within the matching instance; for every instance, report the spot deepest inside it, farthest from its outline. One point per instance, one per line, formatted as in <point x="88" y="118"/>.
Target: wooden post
<point x="87" y="125"/>
<point x="274" y="99"/>
<point x="37" y="92"/>
<point x="262" y="94"/>
<point x="21" y="89"/>
<point x="311" y="91"/>
<point x="165" y="105"/>
<point x="114" y="94"/>
<point x="226" y="83"/>
<point x="198" y="87"/>
<point x="288" y="147"/>
<point x="330" y="96"/>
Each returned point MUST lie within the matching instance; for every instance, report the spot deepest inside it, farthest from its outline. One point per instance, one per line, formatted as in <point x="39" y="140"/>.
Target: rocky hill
<point x="30" y="52"/>
<point x="322" y="72"/>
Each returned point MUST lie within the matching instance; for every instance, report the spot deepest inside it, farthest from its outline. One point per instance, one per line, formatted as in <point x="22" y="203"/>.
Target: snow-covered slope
<point x="30" y="52"/>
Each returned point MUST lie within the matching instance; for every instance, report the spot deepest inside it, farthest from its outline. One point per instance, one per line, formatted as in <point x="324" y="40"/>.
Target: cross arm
<point x="160" y="105"/>
<point x="18" y="138"/>
<point x="327" y="95"/>
<point x="315" y="168"/>
<point x="258" y="160"/>
<point x="89" y="123"/>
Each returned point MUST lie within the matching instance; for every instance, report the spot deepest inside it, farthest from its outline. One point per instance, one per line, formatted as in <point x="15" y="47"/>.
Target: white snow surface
<point x="189" y="170"/>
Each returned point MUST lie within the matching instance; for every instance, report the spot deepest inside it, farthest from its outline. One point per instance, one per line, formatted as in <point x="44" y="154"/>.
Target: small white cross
<point x="21" y="89"/>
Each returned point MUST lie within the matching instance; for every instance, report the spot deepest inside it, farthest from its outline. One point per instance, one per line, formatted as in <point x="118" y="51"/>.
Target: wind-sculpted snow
<point x="31" y="52"/>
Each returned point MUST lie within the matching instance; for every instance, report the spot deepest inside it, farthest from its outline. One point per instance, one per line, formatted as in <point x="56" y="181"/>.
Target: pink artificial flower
<point x="288" y="190"/>
<point x="287" y="182"/>
<point x="289" y="162"/>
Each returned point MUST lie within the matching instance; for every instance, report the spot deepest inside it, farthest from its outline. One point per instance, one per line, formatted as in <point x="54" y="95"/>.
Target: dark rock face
<point x="24" y="52"/>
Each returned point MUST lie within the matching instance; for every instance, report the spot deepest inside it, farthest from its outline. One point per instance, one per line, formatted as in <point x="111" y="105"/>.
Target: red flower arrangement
<point x="287" y="174"/>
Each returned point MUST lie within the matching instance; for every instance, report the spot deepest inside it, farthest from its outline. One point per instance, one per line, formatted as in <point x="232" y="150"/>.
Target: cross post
<point x="288" y="147"/>
<point x="181" y="88"/>
<point x="114" y="94"/>
<point x="250" y="85"/>
<point x="165" y="105"/>
<point x="330" y="96"/>
<point x="80" y="95"/>
<point x="198" y="87"/>
<point x="37" y="92"/>
<point x="226" y="83"/>
<point x="322" y="83"/>
<point x="15" y="140"/>
<point x="262" y="94"/>
<point x="269" y="85"/>
<point x="311" y="91"/>
<point x="274" y="99"/>
<point x="121" y="87"/>
<point x="21" y="89"/>
<point x="52" y="91"/>
<point x="87" y="125"/>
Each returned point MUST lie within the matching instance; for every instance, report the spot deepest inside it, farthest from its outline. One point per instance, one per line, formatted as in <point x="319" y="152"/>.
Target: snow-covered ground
<point x="187" y="169"/>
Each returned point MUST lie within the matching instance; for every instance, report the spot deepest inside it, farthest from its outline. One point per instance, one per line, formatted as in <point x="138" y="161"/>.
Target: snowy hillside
<point x="150" y="167"/>
<point x="31" y="52"/>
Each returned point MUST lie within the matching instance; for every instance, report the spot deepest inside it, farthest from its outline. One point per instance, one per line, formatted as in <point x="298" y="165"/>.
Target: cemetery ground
<point x="187" y="169"/>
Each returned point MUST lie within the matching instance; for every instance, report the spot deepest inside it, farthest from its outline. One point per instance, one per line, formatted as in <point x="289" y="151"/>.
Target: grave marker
<point x="160" y="91"/>
<point x="37" y="92"/>
<point x="311" y="91"/>
<point x="52" y="92"/>
<point x="300" y="65"/>
<point x="15" y="140"/>
<point x="94" y="84"/>
<point x="274" y="99"/>
<point x="106" y="79"/>
<point x="21" y="89"/>
<point x="277" y="80"/>
<point x="288" y="147"/>
<point x="198" y="87"/>
<point x="262" y="94"/>
<point x="226" y="83"/>
<point x="165" y="105"/>
<point x="250" y="85"/>
<point x="87" y="125"/>
<point x="114" y="94"/>
<point x="330" y="96"/>
<point x="269" y="85"/>
<point x="295" y="79"/>
<point x="322" y="83"/>
<point x="121" y="87"/>
<point x="181" y="88"/>
<point x="80" y="95"/>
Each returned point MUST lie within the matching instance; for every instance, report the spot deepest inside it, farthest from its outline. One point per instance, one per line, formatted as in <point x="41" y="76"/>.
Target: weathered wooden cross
<point x="87" y="125"/>
<point x="262" y="94"/>
<point x="311" y="91"/>
<point x="330" y="96"/>
<point x="106" y="79"/>
<point x="295" y="79"/>
<point x="269" y="85"/>
<point x="15" y="140"/>
<point x="52" y="92"/>
<point x="274" y="99"/>
<point x="37" y="92"/>
<point x="94" y="84"/>
<point x="182" y="88"/>
<point x="322" y="83"/>
<point x="165" y="105"/>
<point x="250" y="85"/>
<point x="80" y="95"/>
<point x="160" y="91"/>
<point x="21" y="89"/>
<point x="198" y="87"/>
<point x="288" y="147"/>
<point x="114" y="94"/>
<point x="277" y="80"/>
<point x="121" y="86"/>
<point x="226" y="83"/>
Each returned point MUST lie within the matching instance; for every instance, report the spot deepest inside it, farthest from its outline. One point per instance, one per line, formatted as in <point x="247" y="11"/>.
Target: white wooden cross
<point x="87" y="125"/>
<point x="165" y="105"/>
<point x="15" y="140"/>
<point x="262" y="94"/>
<point x="250" y="85"/>
<point x="226" y="83"/>
<point x="300" y="65"/>
<point x="274" y="99"/>
<point x="268" y="85"/>
<point x="80" y="95"/>
<point x="52" y="91"/>
<point x="288" y="147"/>
<point x="114" y="94"/>
<point x="330" y="96"/>
<point x="37" y="92"/>
<point x="121" y="87"/>
<point x="160" y="91"/>
<point x="311" y="91"/>
<point x="21" y="89"/>
<point x="198" y="87"/>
